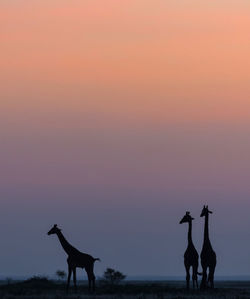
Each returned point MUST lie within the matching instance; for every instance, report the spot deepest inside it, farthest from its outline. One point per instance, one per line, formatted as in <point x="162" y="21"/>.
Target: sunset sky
<point x="117" y="117"/>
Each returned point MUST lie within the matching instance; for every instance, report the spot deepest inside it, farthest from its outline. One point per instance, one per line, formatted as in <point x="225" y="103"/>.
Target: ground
<point x="42" y="288"/>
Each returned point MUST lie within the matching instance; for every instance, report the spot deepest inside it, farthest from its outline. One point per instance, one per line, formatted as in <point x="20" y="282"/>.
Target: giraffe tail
<point x="97" y="259"/>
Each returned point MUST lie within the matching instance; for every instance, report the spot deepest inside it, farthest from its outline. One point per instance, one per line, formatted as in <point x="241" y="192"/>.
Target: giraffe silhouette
<point x="191" y="257"/>
<point x="76" y="259"/>
<point x="208" y="256"/>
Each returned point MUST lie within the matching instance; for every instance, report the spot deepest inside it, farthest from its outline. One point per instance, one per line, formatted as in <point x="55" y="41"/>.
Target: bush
<point x="60" y="274"/>
<point x="113" y="277"/>
<point x="39" y="279"/>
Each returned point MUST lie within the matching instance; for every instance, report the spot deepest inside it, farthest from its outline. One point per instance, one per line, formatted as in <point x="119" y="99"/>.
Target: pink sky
<point x="118" y="107"/>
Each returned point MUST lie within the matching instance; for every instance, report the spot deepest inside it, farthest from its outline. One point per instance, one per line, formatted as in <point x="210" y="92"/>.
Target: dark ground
<point x="42" y="288"/>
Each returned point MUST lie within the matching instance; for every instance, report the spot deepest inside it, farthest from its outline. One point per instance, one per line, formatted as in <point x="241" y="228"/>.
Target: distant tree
<point x="60" y="274"/>
<point x="113" y="277"/>
<point x="8" y="280"/>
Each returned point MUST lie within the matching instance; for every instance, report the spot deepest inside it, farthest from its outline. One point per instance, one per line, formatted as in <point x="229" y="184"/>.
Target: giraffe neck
<point x="65" y="244"/>
<point x="190" y="233"/>
<point x="206" y="233"/>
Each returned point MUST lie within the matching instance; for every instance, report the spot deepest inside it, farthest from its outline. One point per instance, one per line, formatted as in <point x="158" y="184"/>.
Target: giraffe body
<point x="208" y="256"/>
<point x="76" y="259"/>
<point x="191" y="257"/>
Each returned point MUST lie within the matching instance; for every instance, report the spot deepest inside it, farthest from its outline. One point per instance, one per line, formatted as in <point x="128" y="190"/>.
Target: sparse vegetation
<point x="8" y="280"/>
<point x="112" y="277"/>
<point x="61" y="274"/>
<point x="43" y="288"/>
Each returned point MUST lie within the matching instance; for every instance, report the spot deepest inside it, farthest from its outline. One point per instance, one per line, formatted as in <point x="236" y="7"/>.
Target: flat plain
<point x="42" y="288"/>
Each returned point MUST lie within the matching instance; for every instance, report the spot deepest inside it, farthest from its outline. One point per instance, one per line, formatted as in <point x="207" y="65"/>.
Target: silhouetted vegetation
<point x="112" y="277"/>
<point x="33" y="285"/>
<point x="37" y="281"/>
<point x="43" y="288"/>
<point x="61" y="274"/>
<point x="8" y="280"/>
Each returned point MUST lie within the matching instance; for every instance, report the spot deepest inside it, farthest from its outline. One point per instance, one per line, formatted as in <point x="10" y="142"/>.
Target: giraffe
<point x="191" y="257"/>
<point x="76" y="259"/>
<point x="208" y="256"/>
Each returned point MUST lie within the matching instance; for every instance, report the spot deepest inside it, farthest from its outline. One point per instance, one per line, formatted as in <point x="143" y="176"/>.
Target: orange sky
<point x="152" y="61"/>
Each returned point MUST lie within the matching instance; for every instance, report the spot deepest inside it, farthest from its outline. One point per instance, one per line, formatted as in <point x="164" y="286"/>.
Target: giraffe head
<point x="205" y="211"/>
<point x="187" y="218"/>
<point x="54" y="230"/>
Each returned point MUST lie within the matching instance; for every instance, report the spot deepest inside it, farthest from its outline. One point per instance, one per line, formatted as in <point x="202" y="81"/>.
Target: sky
<point x="115" y="119"/>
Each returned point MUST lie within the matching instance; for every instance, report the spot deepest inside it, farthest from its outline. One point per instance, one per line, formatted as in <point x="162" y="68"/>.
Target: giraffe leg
<point x="211" y="277"/>
<point x="89" y="279"/>
<point x="93" y="277"/>
<point x="69" y="276"/>
<point x="74" y="278"/>
<point x="195" y="277"/>
<point x="187" y="276"/>
<point x="204" y="278"/>
<point x="93" y="281"/>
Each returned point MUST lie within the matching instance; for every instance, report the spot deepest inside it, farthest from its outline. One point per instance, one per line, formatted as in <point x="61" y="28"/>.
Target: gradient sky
<point x="115" y="119"/>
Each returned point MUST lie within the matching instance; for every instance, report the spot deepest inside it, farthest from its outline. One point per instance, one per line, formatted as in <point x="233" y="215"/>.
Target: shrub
<point x="60" y="274"/>
<point x="113" y="277"/>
